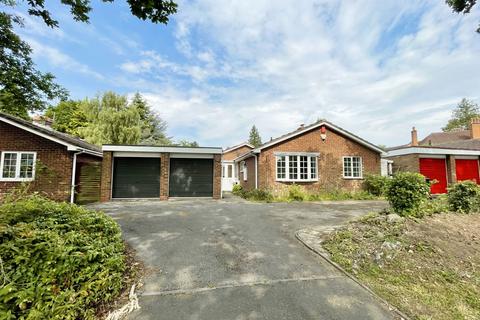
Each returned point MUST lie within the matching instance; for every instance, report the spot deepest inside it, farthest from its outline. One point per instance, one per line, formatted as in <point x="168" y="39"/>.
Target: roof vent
<point x="302" y="125"/>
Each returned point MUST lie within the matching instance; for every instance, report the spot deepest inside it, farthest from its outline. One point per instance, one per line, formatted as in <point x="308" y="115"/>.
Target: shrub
<point x="464" y="197"/>
<point x="406" y="192"/>
<point x="59" y="260"/>
<point x="438" y="204"/>
<point x="376" y="184"/>
<point x="237" y="190"/>
<point x="296" y="193"/>
<point x="258" y="195"/>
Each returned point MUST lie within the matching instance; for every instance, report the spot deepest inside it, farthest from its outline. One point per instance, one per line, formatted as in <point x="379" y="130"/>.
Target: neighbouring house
<point x="320" y="157"/>
<point x="229" y="174"/>
<point x="53" y="164"/>
<point x="444" y="157"/>
<point x="160" y="172"/>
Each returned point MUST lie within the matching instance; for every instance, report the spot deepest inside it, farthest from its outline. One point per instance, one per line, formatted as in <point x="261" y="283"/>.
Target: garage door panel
<point x="191" y="177"/>
<point x="467" y="169"/>
<point x="136" y="178"/>
<point x="435" y="169"/>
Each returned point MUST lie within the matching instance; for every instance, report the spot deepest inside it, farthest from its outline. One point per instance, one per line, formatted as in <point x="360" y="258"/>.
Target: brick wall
<point x="410" y="162"/>
<point x="217" y="176"/>
<point x="164" y="175"/>
<point x="250" y="182"/>
<point x="54" y="162"/>
<point x="106" y="182"/>
<point x="330" y="162"/>
<point x="228" y="156"/>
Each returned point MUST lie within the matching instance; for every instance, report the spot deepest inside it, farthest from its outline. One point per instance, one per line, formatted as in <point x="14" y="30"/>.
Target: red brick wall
<point x="404" y="163"/>
<point x="250" y="182"/>
<point x="217" y="176"/>
<point x="54" y="162"/>
<point x="164" y="175"/>
<point x="106" y="182"/>
<point x="330" y="161"/>
<point x="235" y="153"/>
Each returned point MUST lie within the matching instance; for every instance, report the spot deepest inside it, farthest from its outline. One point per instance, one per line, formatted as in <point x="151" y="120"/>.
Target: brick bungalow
<point x="229" y="174"/>
<point x="55" y="164"/>
<point x="320" y="156"/>
<point x="446" y="157"/>
<point x="160" y="172"/>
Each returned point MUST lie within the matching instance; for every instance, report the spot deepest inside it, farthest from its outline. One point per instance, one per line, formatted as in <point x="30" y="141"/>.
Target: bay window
<point x="352" y="167"/>
<point x="296" y="167"/>
<point x="17" y="166"/>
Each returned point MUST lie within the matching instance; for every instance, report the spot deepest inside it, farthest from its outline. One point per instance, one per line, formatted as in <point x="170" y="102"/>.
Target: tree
<point x="462" y="115"/>
<point x="68" y="116"/>
<point x="254" y="138"/>
<point x="22" y="87"/>
<point x="462" y="6"/>
<point x="153" y="127"/>
<point x="186" y="143"/>
<point x="111" y="120"/>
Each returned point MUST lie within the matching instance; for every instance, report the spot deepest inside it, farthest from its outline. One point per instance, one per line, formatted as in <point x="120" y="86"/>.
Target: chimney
<point x="414" y="137"/>
<point x="475" y="128"/>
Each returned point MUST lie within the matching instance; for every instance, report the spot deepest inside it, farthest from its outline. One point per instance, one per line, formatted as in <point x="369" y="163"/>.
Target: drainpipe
<point x="256" y="171"/>
<point x="74" y="171"/>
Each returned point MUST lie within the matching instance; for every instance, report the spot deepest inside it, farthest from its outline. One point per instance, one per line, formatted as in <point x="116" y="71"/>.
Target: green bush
<point x="464" y="197"/>
<point x="237" y="190"/>
<point x="376" y="184"/>
<point x="438" y="204"/>
<point x="296" y="193"/>
<point x="258" y="195"/>
<point x="406" y="192"/>
<point x="59" y="260"/>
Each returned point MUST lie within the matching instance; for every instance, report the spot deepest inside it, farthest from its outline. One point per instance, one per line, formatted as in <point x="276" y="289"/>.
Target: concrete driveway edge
<point x="319" y="250"/>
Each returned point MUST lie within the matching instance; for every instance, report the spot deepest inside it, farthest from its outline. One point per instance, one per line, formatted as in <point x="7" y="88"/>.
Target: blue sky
<point x="376" y="68"/>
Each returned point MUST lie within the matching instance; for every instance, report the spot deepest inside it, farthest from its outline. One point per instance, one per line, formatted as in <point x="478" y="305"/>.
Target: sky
<point x="375" y="68"/>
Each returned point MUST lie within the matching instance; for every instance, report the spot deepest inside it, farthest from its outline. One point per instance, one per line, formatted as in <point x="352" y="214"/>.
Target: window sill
<point x="288" y="180"/>
<point x="16" y="179"/>
<point x="353" y="178"/>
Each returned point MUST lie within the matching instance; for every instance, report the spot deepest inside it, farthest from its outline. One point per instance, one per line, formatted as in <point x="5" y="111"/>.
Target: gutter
<point x="74" y="171"/>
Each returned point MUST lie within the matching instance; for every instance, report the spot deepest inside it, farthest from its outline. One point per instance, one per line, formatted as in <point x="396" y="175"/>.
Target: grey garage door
<point x="191" y="177"/>
<point x="136" y="178"/>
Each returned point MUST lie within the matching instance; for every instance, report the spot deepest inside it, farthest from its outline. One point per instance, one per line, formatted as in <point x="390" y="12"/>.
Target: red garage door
<point x="467" y="169"/>
<point x="435" y="169"/>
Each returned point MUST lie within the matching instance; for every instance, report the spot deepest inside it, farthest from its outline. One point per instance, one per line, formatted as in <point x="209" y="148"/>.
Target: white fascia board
<point x="191" y="155"/>
<point x="244" y="156"/>
<point x="328" y="125"/>
<point x="123" y="154"/>
<point x="115" y="148"/>
<point x="432" y="151"/>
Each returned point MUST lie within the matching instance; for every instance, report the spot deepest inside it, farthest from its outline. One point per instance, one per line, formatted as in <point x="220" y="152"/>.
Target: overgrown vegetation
<point x="464" y="197"/>
<point x="428" y="268"/>
<point x="59" y="260"/>
<point x="376" y="185"/>
<point x="295" y="192"/>
<point x="406" y="192"/>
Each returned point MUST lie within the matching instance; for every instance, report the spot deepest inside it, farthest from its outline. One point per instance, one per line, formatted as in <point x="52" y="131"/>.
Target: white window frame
<point x="17" y="166"/>
<point x="351" y="161"/>
<point x="297" y="174"/>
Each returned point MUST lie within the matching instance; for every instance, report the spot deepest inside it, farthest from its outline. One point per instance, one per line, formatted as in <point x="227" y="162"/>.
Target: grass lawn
<point x="428" y="268"/>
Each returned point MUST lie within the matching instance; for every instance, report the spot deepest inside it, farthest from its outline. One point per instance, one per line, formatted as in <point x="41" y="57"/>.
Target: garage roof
<point x="167" y="149"/>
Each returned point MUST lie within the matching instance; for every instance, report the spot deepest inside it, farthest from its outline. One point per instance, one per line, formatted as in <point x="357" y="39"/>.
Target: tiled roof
<point x="436" y="138"/>
<point x="52" y="133"/>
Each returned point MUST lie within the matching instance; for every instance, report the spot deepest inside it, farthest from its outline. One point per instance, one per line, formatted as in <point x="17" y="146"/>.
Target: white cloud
<point x="375" y="68"/>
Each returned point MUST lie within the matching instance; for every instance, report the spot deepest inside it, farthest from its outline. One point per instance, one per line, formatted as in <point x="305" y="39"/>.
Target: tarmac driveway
<point x="231" y="259"/>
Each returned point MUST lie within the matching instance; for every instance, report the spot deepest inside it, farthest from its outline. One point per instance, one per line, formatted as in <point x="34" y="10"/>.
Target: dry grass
<point x="428" y="268"/>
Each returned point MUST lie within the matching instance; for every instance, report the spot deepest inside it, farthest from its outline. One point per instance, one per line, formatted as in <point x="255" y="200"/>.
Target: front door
<point x="228" y="176"/>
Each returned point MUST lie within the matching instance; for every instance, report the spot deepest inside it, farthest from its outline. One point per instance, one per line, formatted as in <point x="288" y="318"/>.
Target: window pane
<point x="9" y="165"/>
<point x="293" y="167"/>
<point x="26" y="165"/>
<point x="303" y="167"/>
<point x="281" y="167"/>
<point x="347" y="167"/>
<point x="223" y="171"/>
<point x="313" y="167"/>
<point x="356" y="167"/>
<point x="230" y="170"/>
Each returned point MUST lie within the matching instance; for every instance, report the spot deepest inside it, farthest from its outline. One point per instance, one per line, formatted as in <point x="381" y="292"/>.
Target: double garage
<point x="465" y="168"/>
<point x="163" y="172"/>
